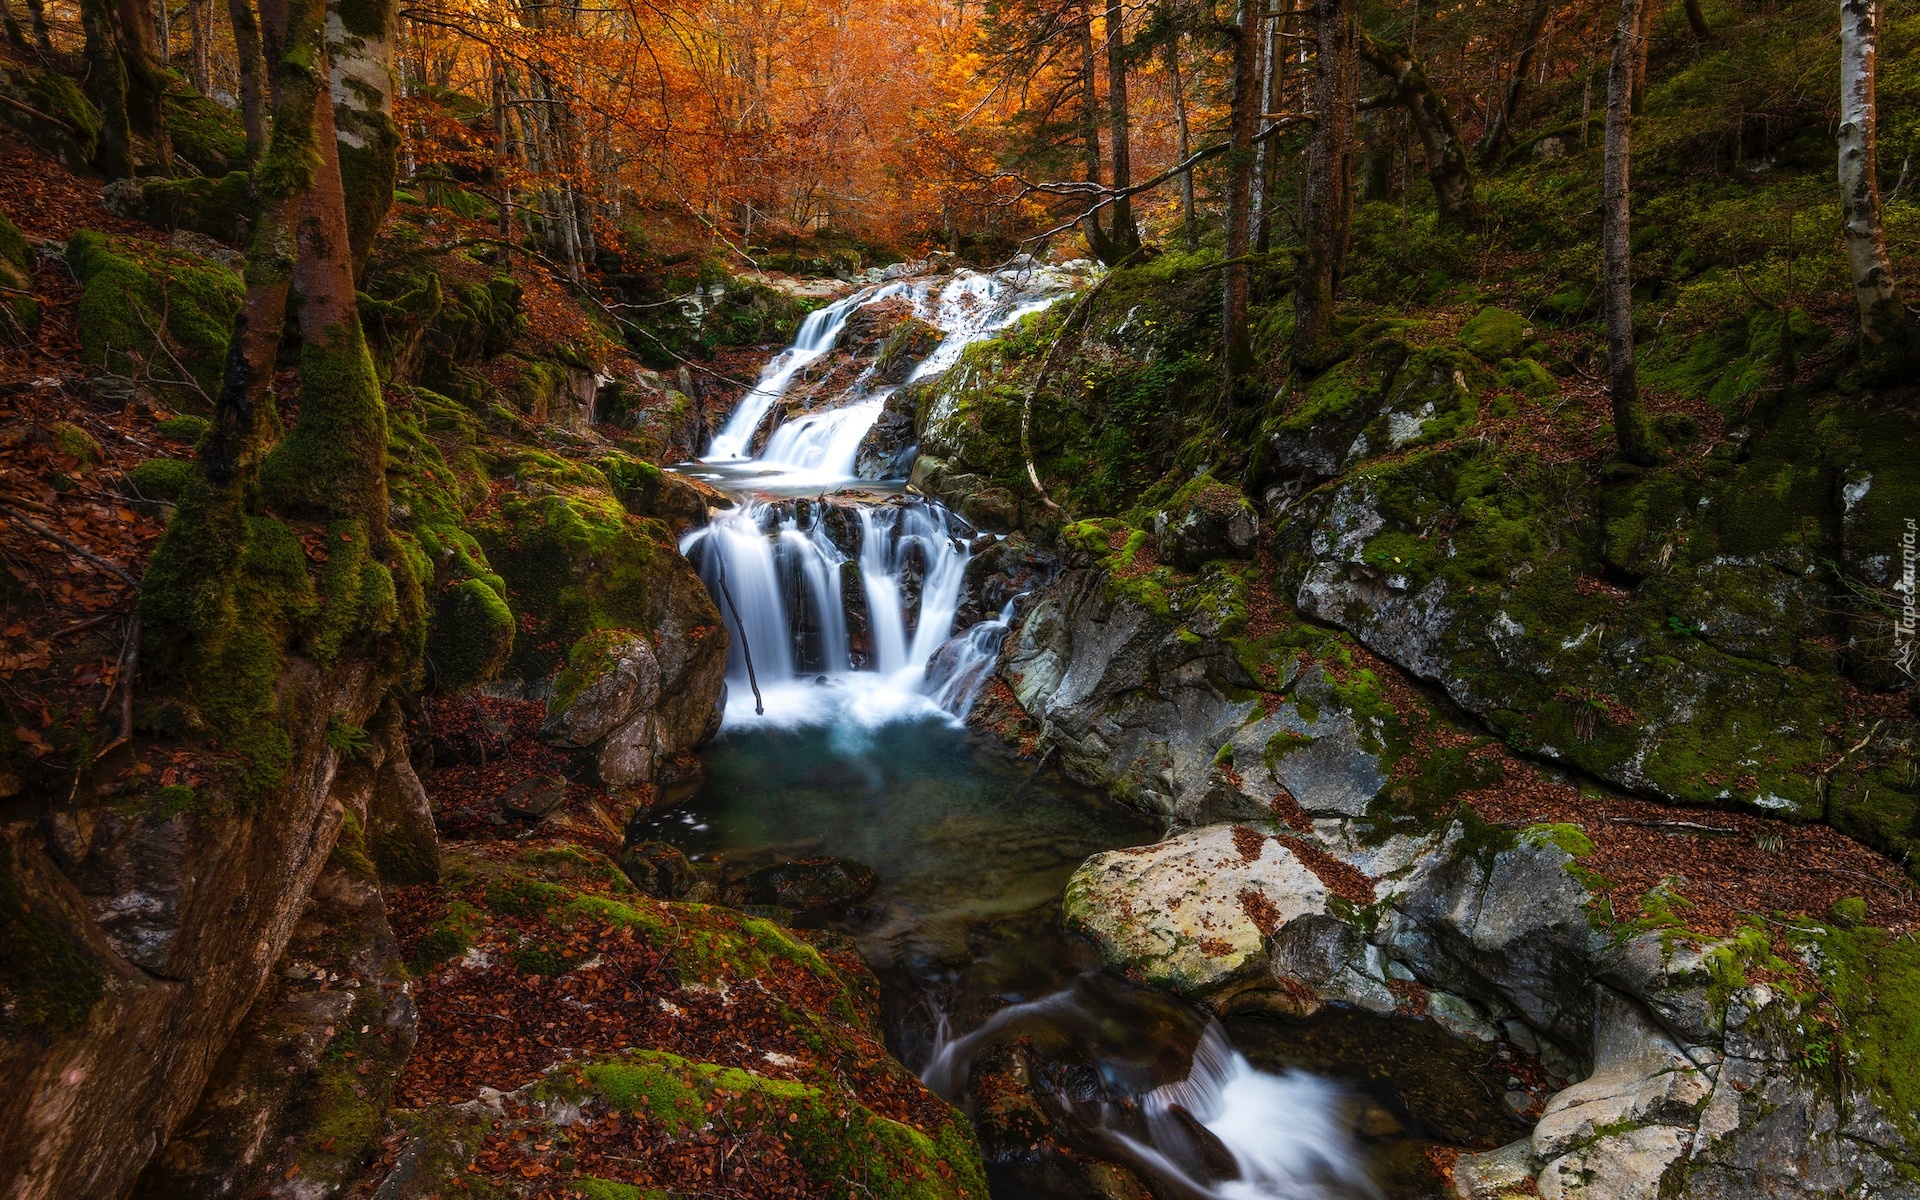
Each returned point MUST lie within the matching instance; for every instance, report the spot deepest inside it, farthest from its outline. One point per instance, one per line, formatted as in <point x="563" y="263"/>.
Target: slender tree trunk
<point x="164" y="26"/>
<point x="1328" y="188"/>
<point x="1407" y="87"/>
<point x="1881" y="315"/>
<point x="15" y="35"/>
<point x="1642" y="41"/>
<point x="1097" y="243"/>
<point x="1697" y="20"/>
<point x="500" y="146"/>
<point x="1631" y="434"/>
<point x="107" y="85"/>
<point x="200" y="45"/>
<point x="253" y="72"/>
<point x="360" y="37"/>
<point x="1189" y="223"/>
<point x="1243" y="116"/>
<point x="1263" y="150"/>
<point x="1500" y="132"/>
<point x="37" y="17"/>
<point x="1123" y="234"/>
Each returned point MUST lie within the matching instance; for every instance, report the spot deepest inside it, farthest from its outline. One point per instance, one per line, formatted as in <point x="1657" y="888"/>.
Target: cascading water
<point x="784" y="579"/>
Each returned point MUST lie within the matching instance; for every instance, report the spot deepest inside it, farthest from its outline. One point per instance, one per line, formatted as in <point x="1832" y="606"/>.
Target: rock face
<point x="181" y="915"/>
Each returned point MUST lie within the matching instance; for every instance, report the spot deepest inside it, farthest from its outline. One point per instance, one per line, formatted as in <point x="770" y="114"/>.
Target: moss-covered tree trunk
<point x="1631" y="434"/>
<point x="1881" y="317"/>
<point x="1243" y="116"/>
<point x="253" y="104"/>
<point x="1408" y="87"/>
<point x="360" y="37"/>
<point x="147" y="79"/>
<point x="107" y="87"/>
<point x="1329" y="184"/>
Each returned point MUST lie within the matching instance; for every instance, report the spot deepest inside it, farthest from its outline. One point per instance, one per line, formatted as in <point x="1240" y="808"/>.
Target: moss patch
<point x="134" y="291"/>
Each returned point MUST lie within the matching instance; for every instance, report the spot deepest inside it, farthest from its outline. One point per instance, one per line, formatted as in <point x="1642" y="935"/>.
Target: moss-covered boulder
<point x="1206" y="520"/>
<point x="136" y="293"/>
<point x="219" y="207"/>
<point x="52" y="112"/>
<point x="19" y="311"/>
<point x="206" y="134"/>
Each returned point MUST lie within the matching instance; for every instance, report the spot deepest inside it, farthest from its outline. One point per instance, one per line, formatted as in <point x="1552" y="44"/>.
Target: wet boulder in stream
<point x="808" y="886"/>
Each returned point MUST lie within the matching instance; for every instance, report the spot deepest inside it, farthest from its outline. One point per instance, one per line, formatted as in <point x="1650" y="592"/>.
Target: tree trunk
<point x="1407" y="87"/>
<point x="253" y="104"/>
<point x="107" y="85"/>
<point x="500" y="146"/>
<point x="1873" y="287"/>
<point x="360" y="39"/>
<point x="1122" y="234"/>
<point x="200" y="54"/>
<point x="163" y="49"/>
<point x="147" y="82"/>
<point x="1500" y="132"/>
<point x="1631" y="434"/>
<point x="15" y="35"/>
<point x="1697" y="20"/>
<point x="1097" y="243"/>
<point x="1243" y="115"/>
<point x="1189" y="223"/>
<point x="230" y="452"/>
<point x="1329" y="184"/>
<point x="37" y="17"/>
<point x="1643" y="39"/>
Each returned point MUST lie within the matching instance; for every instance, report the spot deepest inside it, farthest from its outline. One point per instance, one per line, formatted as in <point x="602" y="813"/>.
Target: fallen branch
<point x="746" y="651"/>
<point x="1722" y="829"/>
<point x="31" y="111"/>
<point x="71" y="546"/>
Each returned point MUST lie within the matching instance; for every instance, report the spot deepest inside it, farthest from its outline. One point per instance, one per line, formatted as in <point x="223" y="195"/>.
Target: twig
<point x="746" y="651"/>
<point x="71" y="546"/>
<point x="1046" y="364"/>
<point x="1672" y="825"/>
<point x="129" y="662"/>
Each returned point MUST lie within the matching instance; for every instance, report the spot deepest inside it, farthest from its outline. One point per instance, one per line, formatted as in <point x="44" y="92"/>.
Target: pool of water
<point x="973" y="849"/>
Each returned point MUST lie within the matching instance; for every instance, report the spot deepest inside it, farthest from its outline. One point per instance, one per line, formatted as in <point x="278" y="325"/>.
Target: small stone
<point x="1519" y="1102"/>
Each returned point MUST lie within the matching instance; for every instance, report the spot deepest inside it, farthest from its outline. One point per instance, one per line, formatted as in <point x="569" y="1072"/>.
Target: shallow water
<point x="973" y="849"/>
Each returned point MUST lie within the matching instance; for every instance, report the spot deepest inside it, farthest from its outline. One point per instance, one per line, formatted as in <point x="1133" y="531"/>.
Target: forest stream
<point x="844" y="747"/>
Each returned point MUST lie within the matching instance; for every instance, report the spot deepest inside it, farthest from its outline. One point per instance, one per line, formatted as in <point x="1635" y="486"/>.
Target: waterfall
<point x="784" y="571"/>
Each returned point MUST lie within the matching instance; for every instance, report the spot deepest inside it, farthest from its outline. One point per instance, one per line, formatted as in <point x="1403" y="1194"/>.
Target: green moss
<point x="1494" y="333"/>
<point x="132" y="291"/>
<point x="219" y="208"/>
<point x="449" y="937"/>
<point x="183" y="428"/>
<point x="206" y="134"/>
<point x="14" y="251"/>
<point x="837" y="1140"/>
<point x="471" y="637"/>
<point x="333" y="463"/>
<point x="76" y="137"/>
<point x="1873" y="978"/>
<point x="1571" y="838"/>
<point x="48" y="980"/>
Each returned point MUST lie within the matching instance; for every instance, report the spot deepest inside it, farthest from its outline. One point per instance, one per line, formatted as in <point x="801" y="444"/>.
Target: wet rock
<point x="810" y="885"/>
<point x="658" y="870"/>
<point x="1329" y="958"/>
<point x="886" y="452"/>
<point x="1192" y="913"/>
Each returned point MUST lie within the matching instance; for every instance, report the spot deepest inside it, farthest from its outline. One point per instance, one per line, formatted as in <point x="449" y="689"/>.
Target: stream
<point x="844" y="736"/>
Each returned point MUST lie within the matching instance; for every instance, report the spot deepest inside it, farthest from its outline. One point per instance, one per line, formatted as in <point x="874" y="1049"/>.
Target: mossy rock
<point x="161" y="479"/>
<point x="471" y="637"/>
<point x="73" y="136"/>
<point x="133" y="290"/>
<point x="219" y="208"/>
<point x="22" y="318"/>
<point x="1494" y="333"/>
<point x="206" y="134"/>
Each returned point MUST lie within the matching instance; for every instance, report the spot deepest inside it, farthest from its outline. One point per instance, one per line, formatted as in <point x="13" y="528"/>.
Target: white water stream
<point x="784" y="587"/>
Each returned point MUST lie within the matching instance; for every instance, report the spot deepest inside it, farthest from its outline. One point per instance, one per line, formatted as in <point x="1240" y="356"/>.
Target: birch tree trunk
<point x="1243" y="114"/>
<point x="1634" y="440"/>
<point x="360" y="37"/>
<point x="1873" y="288"/>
